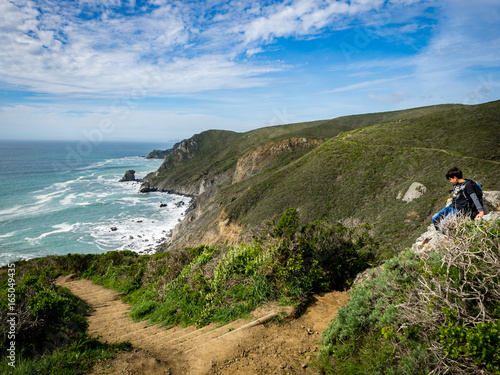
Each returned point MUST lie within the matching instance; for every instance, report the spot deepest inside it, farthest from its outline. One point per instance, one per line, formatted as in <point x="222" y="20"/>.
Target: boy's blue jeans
<point x="442" y="215"/>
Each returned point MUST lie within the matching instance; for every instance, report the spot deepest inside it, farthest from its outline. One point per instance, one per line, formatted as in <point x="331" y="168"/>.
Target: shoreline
<point x="163" y="244"/>
<point x="155" y="243"/>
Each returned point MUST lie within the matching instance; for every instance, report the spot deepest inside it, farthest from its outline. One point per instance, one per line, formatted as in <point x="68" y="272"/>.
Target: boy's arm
<point x="480" y="209"/>
<point x="475" y="199"/>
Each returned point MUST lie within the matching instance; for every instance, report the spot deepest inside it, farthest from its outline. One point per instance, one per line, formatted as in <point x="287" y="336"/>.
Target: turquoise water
<point x="64" y="197"/>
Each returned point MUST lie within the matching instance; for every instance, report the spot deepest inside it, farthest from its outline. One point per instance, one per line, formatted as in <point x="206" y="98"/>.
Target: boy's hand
<point x="480" y="215"/>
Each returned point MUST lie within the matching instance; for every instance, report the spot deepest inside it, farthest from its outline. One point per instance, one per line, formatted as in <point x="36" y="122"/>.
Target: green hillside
<point x="366" y="161"/>
<point x="420" y="314"/>
<point x="215" y="151"/>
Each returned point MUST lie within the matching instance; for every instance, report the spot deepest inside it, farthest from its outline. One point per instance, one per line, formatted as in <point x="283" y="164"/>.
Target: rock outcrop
<point x="416" y="190"/>
<point x="161" y="154"/>
<point x="146" y="187"/>
<point x="129" y="176"/>
<point x="253" y="161"/>
<point x="432" y="238"/>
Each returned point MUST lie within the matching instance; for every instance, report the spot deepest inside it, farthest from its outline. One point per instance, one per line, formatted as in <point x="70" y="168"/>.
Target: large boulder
<point x="128" y="176"/>
<point x="416" y="190"/>
<point x="491" y="200"/>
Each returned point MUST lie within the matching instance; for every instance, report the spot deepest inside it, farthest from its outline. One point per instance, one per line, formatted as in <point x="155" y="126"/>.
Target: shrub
<point x="457" y="302"/>
<point x="220" y="283"/>
<point x="437" y="312"/>
<point x="48" y="316"/>
<point x="319" y="256"/>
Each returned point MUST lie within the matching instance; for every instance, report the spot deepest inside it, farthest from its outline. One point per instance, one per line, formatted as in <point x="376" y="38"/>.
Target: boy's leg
<point x="441" y="215"/>
<point x="436" y="218"/>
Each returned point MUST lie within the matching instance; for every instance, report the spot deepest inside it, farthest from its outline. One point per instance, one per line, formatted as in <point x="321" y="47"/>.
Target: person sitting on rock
<point x="463" y="192"/>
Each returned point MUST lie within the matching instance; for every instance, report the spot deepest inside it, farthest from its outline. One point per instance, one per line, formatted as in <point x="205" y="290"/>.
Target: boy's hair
<point x="454" y="172"/>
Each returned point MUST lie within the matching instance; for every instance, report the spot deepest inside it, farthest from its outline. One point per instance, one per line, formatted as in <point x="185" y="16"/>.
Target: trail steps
<point x="174" y="351"/>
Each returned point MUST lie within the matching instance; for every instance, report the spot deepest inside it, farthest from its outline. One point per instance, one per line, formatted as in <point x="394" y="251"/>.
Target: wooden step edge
<point x="254" y="323"/>
<point x="167" y="333"/>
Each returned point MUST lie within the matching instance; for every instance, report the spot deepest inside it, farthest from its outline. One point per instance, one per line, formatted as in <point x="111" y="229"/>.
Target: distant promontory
<point x="160" y="154"/>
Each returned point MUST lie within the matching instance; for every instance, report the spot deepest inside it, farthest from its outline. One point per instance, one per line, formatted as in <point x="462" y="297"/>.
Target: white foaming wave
<point x="127" y="160"/>
<point x="60" y="186"/>
<point x="65" y="184"/>
<point x="21" y="211"/>
<point x="10" y="210"/>
<point x="6" y="258"/>
<point x="142" y="233"/>
<point x="59" y="228"/>
<point x="131" y="200"/>
<point x="7" y="235"/>
<point x="83" y="204"/>
<point x="68" y="199"/>
<point x="95" y="165"/>
<point x="44" y="198"/>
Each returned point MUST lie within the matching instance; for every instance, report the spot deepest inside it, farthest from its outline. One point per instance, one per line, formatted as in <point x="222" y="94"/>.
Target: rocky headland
<point x="384" y="170"/>
<point x="161" y="154"/>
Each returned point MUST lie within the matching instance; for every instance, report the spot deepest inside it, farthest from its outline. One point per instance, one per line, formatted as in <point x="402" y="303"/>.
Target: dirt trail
<point x="241" y="347"/>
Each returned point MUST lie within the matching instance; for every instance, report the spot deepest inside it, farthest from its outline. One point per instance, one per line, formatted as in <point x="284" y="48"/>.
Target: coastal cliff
<point x="356" y="168"/>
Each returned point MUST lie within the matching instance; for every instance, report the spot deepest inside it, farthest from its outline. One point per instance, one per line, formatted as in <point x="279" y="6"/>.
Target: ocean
<point x="60" y="197"/>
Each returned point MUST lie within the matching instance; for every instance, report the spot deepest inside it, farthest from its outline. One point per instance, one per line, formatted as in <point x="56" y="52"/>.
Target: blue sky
<point x="148" y="70"/>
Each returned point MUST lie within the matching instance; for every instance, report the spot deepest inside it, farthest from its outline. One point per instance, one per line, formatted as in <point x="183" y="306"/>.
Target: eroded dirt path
<point x="241" y="347"/>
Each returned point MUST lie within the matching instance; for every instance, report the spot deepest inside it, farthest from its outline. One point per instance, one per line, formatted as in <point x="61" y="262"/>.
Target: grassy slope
<point x="360" y="173"/>
<point x="217" y="151"/>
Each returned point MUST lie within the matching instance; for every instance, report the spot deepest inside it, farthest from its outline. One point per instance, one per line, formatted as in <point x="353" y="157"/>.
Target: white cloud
<point x="368" y="84"/>
<point x="165" y="48"/>
<point x="111" y="55"/>
<point x="102" y="48"/>
<point x="303" y="17"/>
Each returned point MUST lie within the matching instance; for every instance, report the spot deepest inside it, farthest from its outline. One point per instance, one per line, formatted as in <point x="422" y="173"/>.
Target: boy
<point x="462" y="191"/>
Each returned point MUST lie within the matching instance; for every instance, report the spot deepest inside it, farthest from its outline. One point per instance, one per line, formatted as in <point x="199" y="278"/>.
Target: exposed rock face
<point x="146" y="188"/>
<point x="185" y="150"/>
<point x="416" y="190"/>
<point x="181" y="151"/>
<point x="491" y="200"/>
<point x="204" y="222"/>
<point x="129" y="176"/>
<point x="253" y="161"/>
<point x="431" y="239"/>
<point x="158" y="154"/>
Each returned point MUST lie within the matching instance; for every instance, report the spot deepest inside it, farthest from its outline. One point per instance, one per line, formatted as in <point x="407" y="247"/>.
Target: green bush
<point x="480" y="342"/>
<point x="435" y="312"/>
<point x="48" y="316"/>
<point x="219" y="283"/>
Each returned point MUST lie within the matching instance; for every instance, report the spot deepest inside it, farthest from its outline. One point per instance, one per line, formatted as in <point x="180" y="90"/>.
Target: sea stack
<point x="128" y="176"/>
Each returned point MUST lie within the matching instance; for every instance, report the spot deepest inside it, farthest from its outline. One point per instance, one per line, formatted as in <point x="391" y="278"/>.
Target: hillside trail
<point x="246" y="346"/>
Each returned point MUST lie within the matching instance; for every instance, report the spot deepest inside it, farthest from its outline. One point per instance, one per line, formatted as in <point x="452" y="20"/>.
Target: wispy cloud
<point x="368" y="84"/>
<point x="323" y="58"/>
<point x="107" y="47"/>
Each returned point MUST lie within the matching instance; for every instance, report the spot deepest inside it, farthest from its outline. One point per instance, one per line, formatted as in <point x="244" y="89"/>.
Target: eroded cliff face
<point x="253" y="161"/>
<point x="206" y="222"/>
